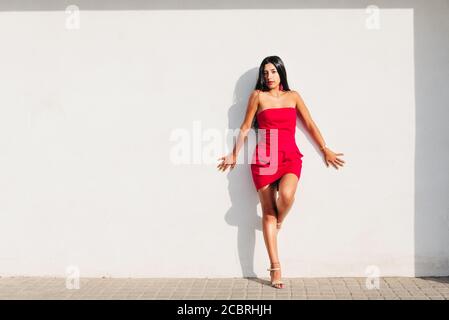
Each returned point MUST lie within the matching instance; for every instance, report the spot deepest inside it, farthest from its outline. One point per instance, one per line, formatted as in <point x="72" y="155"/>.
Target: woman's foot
<point x="275" y="273"/>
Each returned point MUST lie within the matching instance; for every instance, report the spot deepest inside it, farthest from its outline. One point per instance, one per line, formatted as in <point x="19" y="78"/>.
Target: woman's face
<point x="272" y="78"/>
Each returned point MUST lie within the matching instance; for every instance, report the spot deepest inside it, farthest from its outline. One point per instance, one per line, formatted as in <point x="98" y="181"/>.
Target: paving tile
<point x="390" y="288"/>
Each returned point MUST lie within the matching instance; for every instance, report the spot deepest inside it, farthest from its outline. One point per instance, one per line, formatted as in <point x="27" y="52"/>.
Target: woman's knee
<point x="287" y="197"/>
<point x="269" y="215"/>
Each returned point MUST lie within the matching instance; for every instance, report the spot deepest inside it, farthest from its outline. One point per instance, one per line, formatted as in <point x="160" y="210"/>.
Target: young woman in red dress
<point x="277" y="161"/>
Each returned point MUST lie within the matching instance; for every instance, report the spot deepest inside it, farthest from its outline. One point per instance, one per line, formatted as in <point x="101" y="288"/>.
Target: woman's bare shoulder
<point x="294" y="92"/>
<point x="255" y="94"/>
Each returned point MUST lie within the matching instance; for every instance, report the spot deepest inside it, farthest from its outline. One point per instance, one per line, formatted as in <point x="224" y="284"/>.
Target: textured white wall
<point x="90" y="120"/>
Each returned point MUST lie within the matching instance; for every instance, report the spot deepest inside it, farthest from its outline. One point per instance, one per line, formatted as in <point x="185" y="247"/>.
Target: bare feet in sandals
<point x="275" y="272"/>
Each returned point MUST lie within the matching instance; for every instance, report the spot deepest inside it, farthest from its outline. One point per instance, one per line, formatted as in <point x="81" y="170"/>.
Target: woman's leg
<point x="267" y="195"/>
<point x="287" y="190"/>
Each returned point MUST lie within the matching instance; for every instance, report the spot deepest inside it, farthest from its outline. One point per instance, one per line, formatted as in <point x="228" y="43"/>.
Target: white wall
<point x="90" y="120"/>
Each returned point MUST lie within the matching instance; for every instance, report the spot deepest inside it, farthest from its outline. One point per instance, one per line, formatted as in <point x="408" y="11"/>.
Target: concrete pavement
<point x="397" y="288"/>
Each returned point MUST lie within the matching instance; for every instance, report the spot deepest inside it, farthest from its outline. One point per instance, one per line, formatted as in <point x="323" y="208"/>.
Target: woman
<point x="276" y="163"/>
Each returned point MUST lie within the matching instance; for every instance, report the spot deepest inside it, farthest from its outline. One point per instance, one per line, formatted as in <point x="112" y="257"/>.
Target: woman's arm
<point x="312" y="128"/>
<point x="308" y="121"/>
<point x="251" y="109"/>
<point x="245" y="127"/>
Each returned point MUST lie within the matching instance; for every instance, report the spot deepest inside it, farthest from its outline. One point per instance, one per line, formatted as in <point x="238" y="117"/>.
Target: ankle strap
<point x="272" y="269"/>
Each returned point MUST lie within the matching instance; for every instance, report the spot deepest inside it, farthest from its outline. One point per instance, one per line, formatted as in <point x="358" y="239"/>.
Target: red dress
<point x="277" y="153"/>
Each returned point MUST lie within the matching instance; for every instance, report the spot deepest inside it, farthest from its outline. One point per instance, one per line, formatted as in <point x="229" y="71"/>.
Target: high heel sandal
<point x="278" y="284"/>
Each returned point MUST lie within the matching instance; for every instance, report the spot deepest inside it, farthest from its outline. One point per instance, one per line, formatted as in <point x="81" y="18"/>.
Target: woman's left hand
<point x="331" y="157"/>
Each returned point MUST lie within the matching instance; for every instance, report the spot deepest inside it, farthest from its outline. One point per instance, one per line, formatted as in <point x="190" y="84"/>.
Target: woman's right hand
<point x="227" y="161"/>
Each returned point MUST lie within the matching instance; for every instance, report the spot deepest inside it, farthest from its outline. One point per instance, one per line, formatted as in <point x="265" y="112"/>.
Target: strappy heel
<point x="278" y="284"/>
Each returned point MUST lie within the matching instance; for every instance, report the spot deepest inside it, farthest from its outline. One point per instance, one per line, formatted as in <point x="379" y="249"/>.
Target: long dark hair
<point x="262" y="85"/>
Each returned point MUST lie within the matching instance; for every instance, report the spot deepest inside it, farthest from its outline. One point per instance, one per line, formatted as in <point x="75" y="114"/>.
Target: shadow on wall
<point x="431" y="53"/>
<point x="243" y="214"/>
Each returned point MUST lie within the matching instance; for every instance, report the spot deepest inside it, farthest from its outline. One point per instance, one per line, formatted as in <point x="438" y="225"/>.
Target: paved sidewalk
<point x="397" y="288"/>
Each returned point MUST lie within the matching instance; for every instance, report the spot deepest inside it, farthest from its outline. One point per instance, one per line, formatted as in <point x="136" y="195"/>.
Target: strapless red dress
<point x="276" y="153"/>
